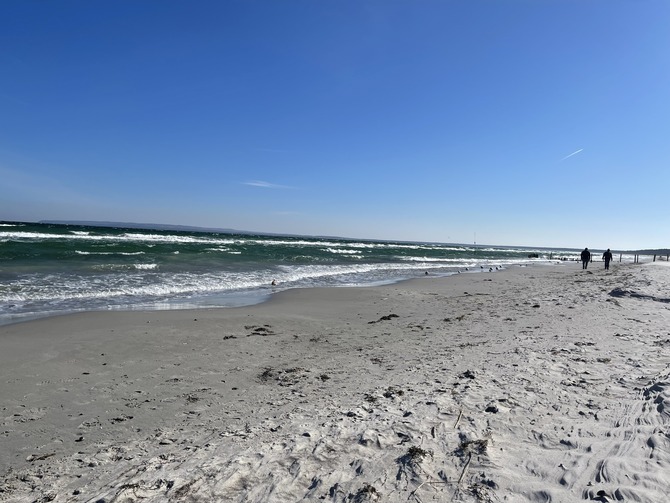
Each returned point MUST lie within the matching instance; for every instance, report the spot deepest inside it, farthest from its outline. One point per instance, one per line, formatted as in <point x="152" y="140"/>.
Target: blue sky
<point x="518" y="122"/>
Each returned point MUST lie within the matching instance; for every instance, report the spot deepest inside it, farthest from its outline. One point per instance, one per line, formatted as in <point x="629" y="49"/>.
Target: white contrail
<point x="574" y="153"/>
<point x="266" y="185"/>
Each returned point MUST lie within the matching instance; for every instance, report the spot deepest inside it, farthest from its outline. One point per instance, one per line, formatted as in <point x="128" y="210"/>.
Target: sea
<point x="48" y="269"/>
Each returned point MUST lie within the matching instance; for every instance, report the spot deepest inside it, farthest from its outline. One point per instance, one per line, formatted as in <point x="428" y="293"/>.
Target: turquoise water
<point x="48" y="268"/>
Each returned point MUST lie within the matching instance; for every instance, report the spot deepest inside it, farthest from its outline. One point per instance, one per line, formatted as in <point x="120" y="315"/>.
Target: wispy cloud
<point x="266" y="185"/>
<point x="574" y="153"/>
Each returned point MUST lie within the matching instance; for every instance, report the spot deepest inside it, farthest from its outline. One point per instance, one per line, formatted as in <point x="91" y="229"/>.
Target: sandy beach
<point x="540" y="384"/>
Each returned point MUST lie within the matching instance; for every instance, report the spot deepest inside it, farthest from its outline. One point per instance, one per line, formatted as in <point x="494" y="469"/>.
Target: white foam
<point x="79" y="252"/>
<point x="344" y="252"/>
<point x="145" y="267"/>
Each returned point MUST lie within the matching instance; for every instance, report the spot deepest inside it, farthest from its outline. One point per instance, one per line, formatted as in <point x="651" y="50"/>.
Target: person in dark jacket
<point x="586" y="256"/>
<point x="607" y="257"/>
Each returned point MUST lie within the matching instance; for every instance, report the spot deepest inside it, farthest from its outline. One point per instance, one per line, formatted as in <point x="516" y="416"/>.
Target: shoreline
<point x="56" y="270"/>
<point x="532" y="381"/>
<point x="235" y="299"/>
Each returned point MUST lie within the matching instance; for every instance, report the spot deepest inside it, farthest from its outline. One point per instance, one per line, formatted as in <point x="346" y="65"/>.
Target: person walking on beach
<point x="607" y="257"/>
<point x="586" y="256"/>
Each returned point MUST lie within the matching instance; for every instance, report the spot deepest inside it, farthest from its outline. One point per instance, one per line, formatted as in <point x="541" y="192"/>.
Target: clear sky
<point x="512" y="122"/>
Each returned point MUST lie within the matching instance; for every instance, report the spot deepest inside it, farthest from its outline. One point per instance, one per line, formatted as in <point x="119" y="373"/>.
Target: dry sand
<point x="531" y="384"/>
